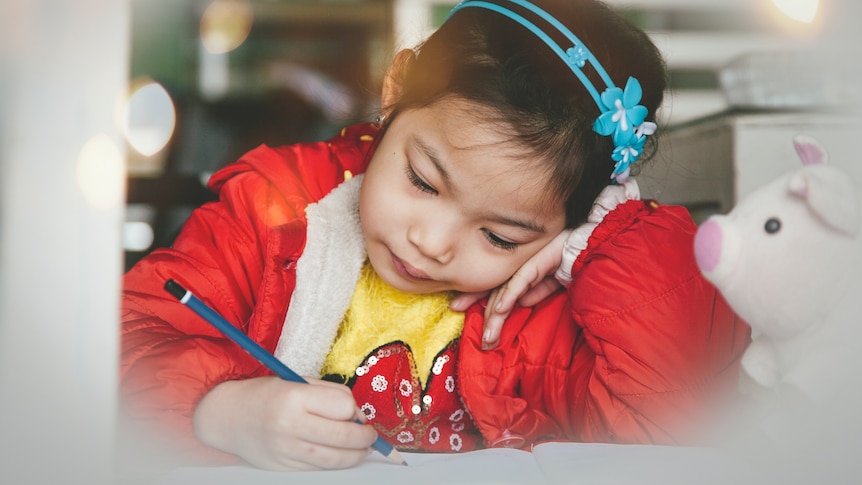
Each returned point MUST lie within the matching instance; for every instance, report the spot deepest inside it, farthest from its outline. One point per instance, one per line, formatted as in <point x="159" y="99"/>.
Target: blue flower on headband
<point x="577" y="56"/>
<point x="622" y="113"/>
<point x="625" y="156"/>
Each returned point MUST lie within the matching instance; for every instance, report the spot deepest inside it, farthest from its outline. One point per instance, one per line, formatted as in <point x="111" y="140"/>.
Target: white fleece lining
<point x="326" y="276"/>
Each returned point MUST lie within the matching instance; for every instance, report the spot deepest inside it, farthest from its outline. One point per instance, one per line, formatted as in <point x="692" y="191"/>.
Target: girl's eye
<point x="417" y="181"/>
<point x="500" y="242"/>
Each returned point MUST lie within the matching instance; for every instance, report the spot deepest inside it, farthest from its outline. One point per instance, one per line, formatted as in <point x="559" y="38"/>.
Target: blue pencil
<point x="187" y="298"/>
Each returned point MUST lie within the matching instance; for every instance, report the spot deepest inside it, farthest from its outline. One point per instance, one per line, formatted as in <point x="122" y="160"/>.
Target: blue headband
<point x="622" y="117"/>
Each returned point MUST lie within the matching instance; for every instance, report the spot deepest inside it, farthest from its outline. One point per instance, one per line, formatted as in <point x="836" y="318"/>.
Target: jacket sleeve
<point x="237" y="255"/>
<point x="170" y="357"/>
<point x="639" y="348"/>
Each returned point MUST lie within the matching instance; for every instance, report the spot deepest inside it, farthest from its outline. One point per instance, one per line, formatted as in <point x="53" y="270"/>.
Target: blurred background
<point x="216" y="78"/>
<point x="113" y="114"/>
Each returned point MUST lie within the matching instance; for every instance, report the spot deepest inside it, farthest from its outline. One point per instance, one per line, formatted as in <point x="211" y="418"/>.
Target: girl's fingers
<point x="496" y="314"/>
<point x="307" y="455"/>
<point x="330" y="400"/>
<point x="494" y="319"/>
<point x="347" y="435"/>
<point x="464" y="300"/>
<point x="357" y="414"/>
<point x="502" y="302"/>
<point x="533" y="282"/>
<point x="539" y="292"/>
<point x="492" y="329"/>
<point x="518" y="284"/>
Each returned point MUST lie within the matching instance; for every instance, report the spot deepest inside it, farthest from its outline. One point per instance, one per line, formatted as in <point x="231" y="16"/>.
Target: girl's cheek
<point x="484" y="274"/>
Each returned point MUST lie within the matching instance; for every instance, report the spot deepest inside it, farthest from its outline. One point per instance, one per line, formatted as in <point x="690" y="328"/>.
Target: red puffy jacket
<point x="638" y="349"/>
<point x="635" y="350"/>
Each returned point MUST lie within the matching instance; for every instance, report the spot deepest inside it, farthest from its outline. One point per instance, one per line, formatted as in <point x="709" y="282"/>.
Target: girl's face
<point x="449" y="203"/>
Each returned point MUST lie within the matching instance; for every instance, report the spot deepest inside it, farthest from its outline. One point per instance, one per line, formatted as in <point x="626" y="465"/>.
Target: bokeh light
<point x="804" y="11"/>
<point x="225" y="24"/>
<point x="137" y="236"/>
<point x="101" y="173"/>
<point x="149" y="117"/>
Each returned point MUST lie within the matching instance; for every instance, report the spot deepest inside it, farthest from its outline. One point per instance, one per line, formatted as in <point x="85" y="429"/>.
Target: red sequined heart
<point x="388" y="391"/>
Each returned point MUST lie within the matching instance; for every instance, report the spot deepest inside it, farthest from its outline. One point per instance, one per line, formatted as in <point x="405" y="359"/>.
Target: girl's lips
<point x="407" y="271"/>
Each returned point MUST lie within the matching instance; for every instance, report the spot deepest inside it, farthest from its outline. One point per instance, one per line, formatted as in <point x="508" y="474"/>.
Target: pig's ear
<point x="809" y="150"/>
<point x="830" y="195"/>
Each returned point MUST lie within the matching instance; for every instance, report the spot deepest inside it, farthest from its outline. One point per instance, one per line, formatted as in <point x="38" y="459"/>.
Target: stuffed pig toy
<point x="787" y="259"/>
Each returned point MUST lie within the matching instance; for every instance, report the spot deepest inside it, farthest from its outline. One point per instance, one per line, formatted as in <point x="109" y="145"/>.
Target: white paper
<point x="551" y="463"/>
<point x="489" y="466"/>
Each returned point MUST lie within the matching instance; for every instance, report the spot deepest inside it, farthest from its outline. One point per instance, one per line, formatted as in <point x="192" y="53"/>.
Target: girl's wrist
<point x="576" y="243"/>
<point x="214" y="420"/>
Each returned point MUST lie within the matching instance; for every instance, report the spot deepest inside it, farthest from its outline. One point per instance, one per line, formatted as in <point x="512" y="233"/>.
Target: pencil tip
<point x="396" y="457"/>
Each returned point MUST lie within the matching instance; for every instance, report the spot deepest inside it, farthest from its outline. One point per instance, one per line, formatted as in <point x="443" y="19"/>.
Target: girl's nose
<point x="434" y="239"/>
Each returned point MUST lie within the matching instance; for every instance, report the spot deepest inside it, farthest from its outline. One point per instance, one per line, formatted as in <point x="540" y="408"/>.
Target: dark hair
<point x="484" y="57"/>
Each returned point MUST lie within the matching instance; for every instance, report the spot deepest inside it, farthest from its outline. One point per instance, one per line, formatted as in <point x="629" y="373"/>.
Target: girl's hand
<point x="281" y="425"/>
<point x="532" y="283"/>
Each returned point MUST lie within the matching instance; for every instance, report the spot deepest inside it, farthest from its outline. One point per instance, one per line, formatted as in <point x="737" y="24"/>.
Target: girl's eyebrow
<point x="432" y="155"/>
<point x="528" y="225"/>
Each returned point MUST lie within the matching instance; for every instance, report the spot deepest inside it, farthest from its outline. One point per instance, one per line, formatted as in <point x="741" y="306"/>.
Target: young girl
<point x="503" y="149"/>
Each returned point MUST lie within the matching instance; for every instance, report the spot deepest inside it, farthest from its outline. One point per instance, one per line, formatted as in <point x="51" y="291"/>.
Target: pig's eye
<point x="772" y="226"/>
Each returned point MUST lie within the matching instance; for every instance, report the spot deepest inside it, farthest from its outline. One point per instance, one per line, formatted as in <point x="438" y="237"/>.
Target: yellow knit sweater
<point x="379" y="314"/>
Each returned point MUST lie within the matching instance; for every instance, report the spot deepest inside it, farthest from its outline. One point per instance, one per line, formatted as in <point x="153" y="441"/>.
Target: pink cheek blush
<point x="707" y="245"/>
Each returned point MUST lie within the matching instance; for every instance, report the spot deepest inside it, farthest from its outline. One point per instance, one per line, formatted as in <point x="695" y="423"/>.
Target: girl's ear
<point x="394" y="75"/>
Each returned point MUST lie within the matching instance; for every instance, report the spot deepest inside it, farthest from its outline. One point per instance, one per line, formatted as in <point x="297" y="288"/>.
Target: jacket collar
<point x="326" y="276"/>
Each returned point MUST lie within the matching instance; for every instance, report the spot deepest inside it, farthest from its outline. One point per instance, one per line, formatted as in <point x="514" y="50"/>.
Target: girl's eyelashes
<point x="417" y="181"/>
<point x="499" y="242"/>
<point x="424" y="186"/>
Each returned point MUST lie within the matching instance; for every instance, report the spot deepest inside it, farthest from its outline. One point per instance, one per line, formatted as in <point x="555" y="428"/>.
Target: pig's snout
<point x="708" y="245"/>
